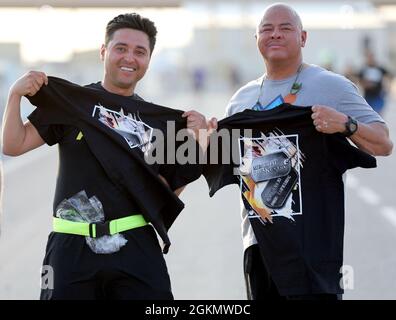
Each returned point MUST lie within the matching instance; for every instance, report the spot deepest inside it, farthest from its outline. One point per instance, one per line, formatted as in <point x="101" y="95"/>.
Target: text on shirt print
<point x="269" y="175"/>
<point x="135" y="132"/>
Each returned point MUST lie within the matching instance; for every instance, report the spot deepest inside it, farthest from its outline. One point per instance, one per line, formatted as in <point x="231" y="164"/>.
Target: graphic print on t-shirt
<point x="273" y="104"/>
<point x="269" y="175"/>
<point x="131" y="127"/>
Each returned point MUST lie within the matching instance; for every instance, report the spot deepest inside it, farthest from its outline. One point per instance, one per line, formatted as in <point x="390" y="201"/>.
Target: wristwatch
<point x="351" y="127"/>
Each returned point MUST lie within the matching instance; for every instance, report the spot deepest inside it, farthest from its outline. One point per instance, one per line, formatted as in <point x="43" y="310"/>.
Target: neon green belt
<point x="96" y="230"/>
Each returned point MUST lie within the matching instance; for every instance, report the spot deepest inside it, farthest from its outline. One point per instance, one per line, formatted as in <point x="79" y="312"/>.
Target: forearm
<point x="373" y="138"/>
<point x="14" y="131"/>
<point x="179" y="190"/>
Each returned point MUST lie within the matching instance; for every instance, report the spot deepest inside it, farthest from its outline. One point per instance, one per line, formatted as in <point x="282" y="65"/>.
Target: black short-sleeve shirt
<point x="79" y="170"/>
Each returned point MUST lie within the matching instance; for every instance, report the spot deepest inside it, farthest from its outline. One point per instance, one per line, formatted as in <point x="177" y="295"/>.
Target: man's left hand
<point x="195" y="121"/>
<point x="200" y="127"/>
<point x="328" y="120"/>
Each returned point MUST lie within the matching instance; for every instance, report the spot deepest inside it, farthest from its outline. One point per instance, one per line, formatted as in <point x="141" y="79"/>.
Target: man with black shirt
<point x="336" y="108"/>
<point x="100" y="148"/>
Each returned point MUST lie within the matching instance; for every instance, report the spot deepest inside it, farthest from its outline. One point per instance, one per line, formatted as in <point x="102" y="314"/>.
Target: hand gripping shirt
<point x="290" y="178"/>
<point x="102" y="139"/>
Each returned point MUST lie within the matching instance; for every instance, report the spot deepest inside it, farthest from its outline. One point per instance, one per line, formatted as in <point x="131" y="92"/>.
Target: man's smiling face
<point x="126" y="59"/>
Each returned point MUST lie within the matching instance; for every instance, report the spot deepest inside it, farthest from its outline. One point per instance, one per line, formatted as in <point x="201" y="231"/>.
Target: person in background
<point x="375" y="81"/>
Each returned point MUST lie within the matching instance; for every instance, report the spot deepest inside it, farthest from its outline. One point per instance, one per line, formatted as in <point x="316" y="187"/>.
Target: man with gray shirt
<point x="337" y="108"/>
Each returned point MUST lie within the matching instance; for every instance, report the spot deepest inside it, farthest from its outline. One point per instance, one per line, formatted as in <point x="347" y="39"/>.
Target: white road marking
<point x="369" y="196"/>
<point x="390" y="214"/>
<point x="351" y="181"/>
<point x="372" y="198"/>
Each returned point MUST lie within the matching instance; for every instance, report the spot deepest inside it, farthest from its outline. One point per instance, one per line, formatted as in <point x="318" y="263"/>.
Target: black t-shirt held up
<point x="102" y="139"/>
<point x="290" y="177"/>
<point x="79" y="169"/>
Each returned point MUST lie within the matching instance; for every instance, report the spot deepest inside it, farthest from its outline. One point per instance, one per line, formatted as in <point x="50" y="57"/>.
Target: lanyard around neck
<point x="295" y="88"/>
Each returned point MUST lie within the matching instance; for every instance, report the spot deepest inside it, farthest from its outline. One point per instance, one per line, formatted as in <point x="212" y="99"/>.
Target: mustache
<point x="275" y="43"/>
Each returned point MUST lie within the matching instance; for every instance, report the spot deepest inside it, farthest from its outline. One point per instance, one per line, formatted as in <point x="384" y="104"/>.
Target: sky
<point x="53" y="34"/>
<point x="50" y="34"/>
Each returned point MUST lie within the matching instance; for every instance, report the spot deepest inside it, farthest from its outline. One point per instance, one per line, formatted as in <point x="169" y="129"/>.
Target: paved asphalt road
<point x="205" y="260"/>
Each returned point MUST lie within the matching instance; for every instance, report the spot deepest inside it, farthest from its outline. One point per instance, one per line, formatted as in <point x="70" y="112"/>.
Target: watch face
<point x="352" y="126"/>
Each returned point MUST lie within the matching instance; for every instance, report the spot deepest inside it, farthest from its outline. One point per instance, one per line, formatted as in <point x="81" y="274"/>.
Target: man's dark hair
<point x="132" y="21"/>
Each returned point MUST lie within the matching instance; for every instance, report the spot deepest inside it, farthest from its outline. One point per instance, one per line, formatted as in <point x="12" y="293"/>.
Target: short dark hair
<point x="132" y="21"/>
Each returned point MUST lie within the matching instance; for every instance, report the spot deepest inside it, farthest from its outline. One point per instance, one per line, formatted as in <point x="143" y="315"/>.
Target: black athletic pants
<point x="138" y="271"/>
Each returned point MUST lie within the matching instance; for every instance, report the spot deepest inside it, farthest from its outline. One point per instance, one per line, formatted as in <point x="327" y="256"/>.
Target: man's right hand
<point x="19" y="137"/>
<point x="29" y="84"/>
